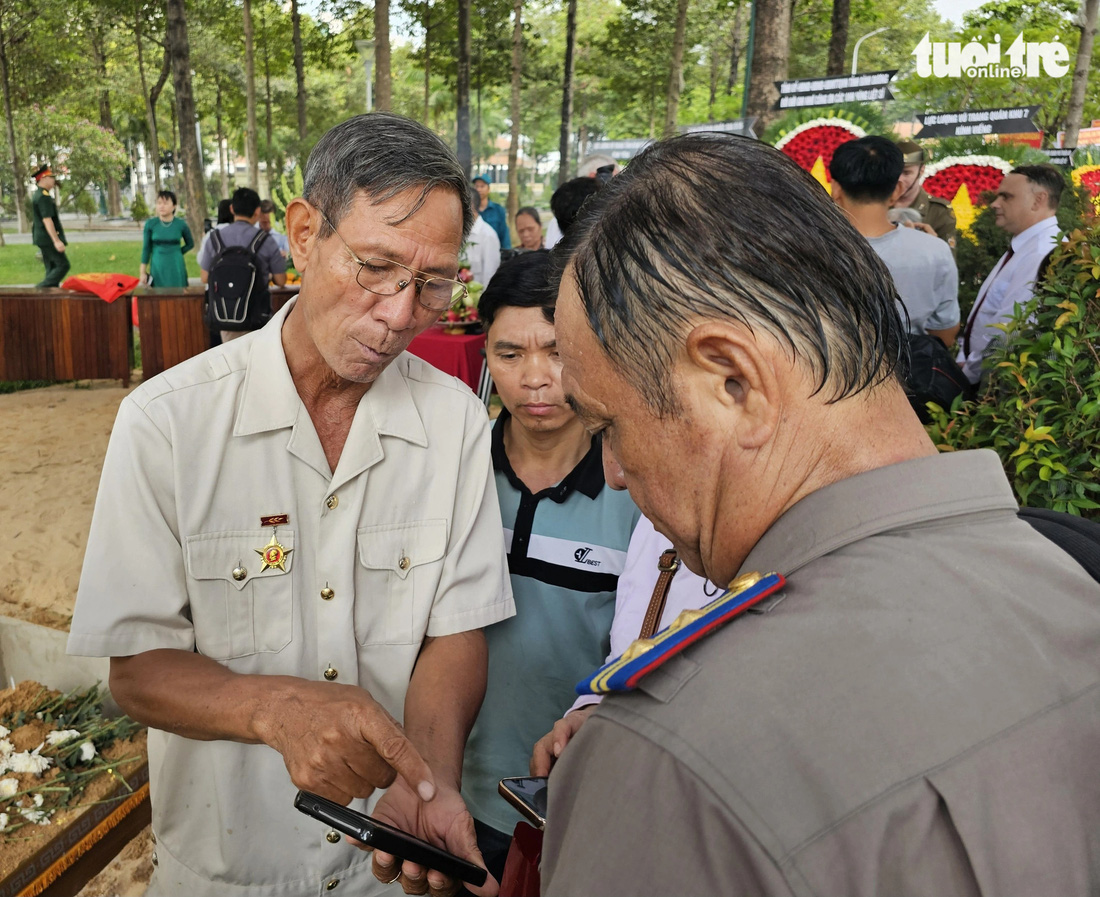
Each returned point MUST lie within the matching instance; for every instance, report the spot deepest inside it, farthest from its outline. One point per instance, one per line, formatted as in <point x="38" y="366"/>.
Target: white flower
<point x="29" y="761"/>
<point x="3" y="821"/>
<point x="87" y="751"/>
<point x="852" y="127"/>
<point x="6" y="747"/>
<point x="38" y="800"/>
<point x="61" y="735"/>
<point x="8" y="787"/>
<point x="4" y="733"/>
<point x="37" y="817"/>
<point x="991" y="161"/>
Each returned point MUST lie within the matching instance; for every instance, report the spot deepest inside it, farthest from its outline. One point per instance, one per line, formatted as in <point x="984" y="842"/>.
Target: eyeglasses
<point x="388" y="278"/>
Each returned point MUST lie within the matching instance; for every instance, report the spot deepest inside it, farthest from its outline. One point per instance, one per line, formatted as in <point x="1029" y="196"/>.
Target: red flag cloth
<point x="521" y="876"/>
<point x="106" y="286"/>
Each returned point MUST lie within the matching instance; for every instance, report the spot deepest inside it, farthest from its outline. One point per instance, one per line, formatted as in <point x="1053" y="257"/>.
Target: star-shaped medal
<point x="273" y="554"/>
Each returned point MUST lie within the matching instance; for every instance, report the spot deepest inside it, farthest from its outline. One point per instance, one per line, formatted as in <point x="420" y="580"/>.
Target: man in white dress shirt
<point x="1026" y="206"/>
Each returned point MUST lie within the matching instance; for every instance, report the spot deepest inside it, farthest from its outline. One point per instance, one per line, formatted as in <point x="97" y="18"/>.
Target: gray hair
<point x="591" y="163"/>
<point x="383" y="155"/>
<point x="722" y="227"/>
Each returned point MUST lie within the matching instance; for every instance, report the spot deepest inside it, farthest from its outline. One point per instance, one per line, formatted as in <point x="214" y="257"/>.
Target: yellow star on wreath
<point x="273" y="555"/>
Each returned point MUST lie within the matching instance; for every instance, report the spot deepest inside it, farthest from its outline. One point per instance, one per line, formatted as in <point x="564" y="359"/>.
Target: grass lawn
<point x="20" y="264"/>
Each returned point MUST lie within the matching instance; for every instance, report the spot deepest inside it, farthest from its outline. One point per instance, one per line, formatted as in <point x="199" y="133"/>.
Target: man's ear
<point x="302" y="223"/>
<point x="736" y="373"/>
<point x="899" y="189"/>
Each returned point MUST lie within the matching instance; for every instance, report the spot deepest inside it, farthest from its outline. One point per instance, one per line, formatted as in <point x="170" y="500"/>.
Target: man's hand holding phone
<point x="443" y="821"/>
<point x="549" y="747"/>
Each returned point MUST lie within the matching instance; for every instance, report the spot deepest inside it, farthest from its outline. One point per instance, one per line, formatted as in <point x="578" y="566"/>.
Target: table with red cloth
<point x="459" y="354"/>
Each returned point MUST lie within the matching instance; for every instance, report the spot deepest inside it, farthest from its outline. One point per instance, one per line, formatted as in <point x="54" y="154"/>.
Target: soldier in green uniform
<point x="46" y="230"/>
<point x="935" y="212"/>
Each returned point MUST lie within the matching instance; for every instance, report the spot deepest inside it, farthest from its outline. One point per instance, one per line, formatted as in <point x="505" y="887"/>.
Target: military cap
<point x="43" y="172"/>
<point x="912" y="152"/>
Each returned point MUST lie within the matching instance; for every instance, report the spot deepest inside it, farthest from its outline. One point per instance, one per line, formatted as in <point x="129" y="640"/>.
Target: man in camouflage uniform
<point x="935" y="212"/>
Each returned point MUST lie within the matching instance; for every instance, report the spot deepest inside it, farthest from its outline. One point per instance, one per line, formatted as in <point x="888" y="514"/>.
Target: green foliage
<point x="80" y="152"/>
<point x="1041" y="409"/>
<point x="84" y="204"/>
<point x="139" y="209"/>
<point x="863" y="115"/>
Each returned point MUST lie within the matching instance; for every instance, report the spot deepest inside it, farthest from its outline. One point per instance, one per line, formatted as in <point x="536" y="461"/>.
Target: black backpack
<point x="933" y="375"/>
<point x="237" y="297"/>
<point x="1076" y="536"/>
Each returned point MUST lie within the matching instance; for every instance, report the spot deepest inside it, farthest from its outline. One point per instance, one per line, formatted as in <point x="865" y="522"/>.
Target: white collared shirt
<point x="1008" y="284"/>
<point x="483" y="251"/>
<point x="406" y="532"/>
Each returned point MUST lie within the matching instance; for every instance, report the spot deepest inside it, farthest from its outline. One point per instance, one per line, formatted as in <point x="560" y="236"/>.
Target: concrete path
<point x="128" y="235"/>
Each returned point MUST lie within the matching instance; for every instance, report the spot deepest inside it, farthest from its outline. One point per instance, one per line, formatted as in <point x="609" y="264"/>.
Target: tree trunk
<point x="567" y="93"/>
<point x="735" y="49"/>
<point x="462" y="112"/>
<point x="152" y="148"/>
<point x="838" y="43"/>
<point x="427" y="62"/>
<point x="252" y="139"/>
<point x="383" y="83"/>
<point x="771" y="53"/>
<point x="223" y="150"/>
<point x="299" y="67"/>
<point x="1081" y="74"/>
<point x="675" y="69"/>
<point x="179" y="50"/>
<point x="514" y="111"/>
<point x="13" y="149"/>
<point x="99" y="56"/>
<point x="268" y="166"/>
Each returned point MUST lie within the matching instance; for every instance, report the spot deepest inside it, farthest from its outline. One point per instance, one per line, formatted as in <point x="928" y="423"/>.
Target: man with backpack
<point x="237" y="262"/>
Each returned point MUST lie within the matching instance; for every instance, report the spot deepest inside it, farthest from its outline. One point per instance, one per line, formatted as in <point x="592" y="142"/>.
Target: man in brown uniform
<point x="935" y="212"/>
<point x="918" y="710"/>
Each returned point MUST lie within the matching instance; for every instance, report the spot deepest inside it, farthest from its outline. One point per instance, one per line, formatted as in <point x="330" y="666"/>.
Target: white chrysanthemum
<point x="6" y="747"/>
<point x="61" y="735"/>
<point x="991" y="161"/>
<point x="87" y="751"/>
<point x="29" y="761"/>
<point x="37" y="800"/>
<point x="849" y="126"/>
<point x="3" y="821"/>
<point x="8" y="787"/>
<point x="37" y="817"/>
<point x="4" y="733"/>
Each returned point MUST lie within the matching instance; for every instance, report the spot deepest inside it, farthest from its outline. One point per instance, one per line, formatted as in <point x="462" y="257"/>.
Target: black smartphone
<point x="528" y="795"/>
<point x="386" y="838"/>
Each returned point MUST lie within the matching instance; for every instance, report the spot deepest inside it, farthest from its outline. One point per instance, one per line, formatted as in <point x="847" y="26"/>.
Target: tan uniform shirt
<point x="918" y="714"/>
<point x="938" y="214"/>
<point x="406" y="533"/>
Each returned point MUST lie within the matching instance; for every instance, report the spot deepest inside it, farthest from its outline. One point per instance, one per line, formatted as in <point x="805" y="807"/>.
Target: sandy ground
<point x="52" y="443"/>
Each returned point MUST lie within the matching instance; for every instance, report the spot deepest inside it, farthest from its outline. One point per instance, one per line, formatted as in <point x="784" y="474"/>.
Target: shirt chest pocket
<point x="239" y="585"/>
<point x="398" y="575"/>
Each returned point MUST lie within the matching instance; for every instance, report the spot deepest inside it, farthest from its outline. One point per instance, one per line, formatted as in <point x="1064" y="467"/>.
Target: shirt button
<point x="333" y="836"/>
<point x="327" y="593"/>
<point x="331" y="883"/>
<point x="403" y="563"/>
<point x="331" y="674"/>
<point x="239" y="573"/>
<point x="332" y="501"/>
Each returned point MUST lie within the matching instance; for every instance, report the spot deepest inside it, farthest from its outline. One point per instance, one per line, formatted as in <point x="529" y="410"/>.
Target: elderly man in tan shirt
<point x="295" y="546"/>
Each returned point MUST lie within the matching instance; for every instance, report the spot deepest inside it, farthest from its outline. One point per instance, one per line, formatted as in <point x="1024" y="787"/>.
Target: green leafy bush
<point x="1041" y="409"/>
<point x="139" y="211"/>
